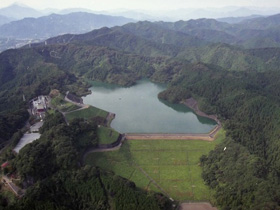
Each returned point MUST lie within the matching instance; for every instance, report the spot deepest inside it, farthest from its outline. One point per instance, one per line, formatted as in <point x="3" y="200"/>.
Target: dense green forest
<point x="51" y="169"/>
<point x="244" y="169"/>
<point x="240" y="85"/>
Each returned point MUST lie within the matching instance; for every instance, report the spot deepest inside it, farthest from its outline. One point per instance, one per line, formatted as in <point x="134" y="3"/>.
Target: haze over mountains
<point x="195" y="13"/>
<point x="192" y="33"/>
<point x="231" y="67"/>
<point x="35" y="27"/>
<point x="18" y="11"/>
<point x="245" y="31"/>
<point x="20" y="24"/>
<point x="53" y="25"/>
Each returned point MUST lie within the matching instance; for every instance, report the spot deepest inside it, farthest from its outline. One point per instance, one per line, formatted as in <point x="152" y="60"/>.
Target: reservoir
<point x="138" y="110"/>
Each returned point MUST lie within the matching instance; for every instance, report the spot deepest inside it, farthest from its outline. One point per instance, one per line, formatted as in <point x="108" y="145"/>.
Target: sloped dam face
<point x="138" y="110"/>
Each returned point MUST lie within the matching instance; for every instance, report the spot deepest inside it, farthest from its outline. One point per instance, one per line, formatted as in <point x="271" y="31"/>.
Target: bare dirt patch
<point x="196" y="206"/>
<point x="155" y="136"/>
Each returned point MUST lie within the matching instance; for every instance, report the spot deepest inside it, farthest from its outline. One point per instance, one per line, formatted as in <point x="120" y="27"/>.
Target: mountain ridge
<point x="240" y="85"/>
<point x="53" y="25"/>
<point x="17" y="11"/>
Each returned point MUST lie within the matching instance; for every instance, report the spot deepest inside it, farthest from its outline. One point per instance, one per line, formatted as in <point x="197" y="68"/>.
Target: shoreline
<point x="193" y="105"/>
<point x="190" y="103"/>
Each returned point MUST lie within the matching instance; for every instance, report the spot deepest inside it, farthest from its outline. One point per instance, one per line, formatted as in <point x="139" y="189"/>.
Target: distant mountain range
<point x="245" y="33"/>
<point x="194" y="13"/>
<point x="53" y="25"/>
<point x="252" y="31"/>
<point x="161" y="51"/>
<point x="233" y="20"/>
<point x="203" y="40"/>
<point x="231" y="69"/>
<point x="4" y="20"/>
<point x="16" y="11"/>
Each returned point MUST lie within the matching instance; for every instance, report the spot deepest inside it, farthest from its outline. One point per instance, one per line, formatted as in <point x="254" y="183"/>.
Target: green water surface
<point x="138" y="110"/>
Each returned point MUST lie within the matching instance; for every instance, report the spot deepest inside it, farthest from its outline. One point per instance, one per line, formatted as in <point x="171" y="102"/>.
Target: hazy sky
<point x="139" y="4"/>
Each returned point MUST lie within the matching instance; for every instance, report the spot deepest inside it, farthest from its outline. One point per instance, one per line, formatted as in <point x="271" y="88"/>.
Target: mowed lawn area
<point x="87" y="113"/>
<point x="107" y="135"/>
<point x="59" y="103"/>
<point x="172" y="164"/>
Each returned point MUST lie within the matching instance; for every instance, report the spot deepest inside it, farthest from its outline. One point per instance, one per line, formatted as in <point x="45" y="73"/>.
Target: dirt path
<point x="81" y="105"/>
<point x="102" y="149"/>
<point x="84" y="107"/>
<point x="157" y="136"/>
<point x="191" y="103"/>
<point x="196" y="206"/>
<point x="105" y="148"/>
<point x="134" y="163"/>
<point x="14" y="188"/>
<point x="152" y="180"/>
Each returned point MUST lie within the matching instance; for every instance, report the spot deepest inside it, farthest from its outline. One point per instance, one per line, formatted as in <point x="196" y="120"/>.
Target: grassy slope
<point x="87" y="113"/>
<point x="107" y="135"/>
<point x="173" y="164"/>
<point x="62" y="105"/>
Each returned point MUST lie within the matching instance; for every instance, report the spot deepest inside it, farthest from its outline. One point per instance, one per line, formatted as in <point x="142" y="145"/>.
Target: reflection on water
<point x="138" y="110"/>
<point x="184" y="109"/>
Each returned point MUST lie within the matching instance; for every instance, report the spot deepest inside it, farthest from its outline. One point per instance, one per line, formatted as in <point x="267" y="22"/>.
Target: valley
<point x="137" y="79"/>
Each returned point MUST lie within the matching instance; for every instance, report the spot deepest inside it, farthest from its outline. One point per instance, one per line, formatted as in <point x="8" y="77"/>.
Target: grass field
<point x="87" y="113"/>
<point x="62" y="105"/>
<point x="5" y="192"/>
<point x="172" y="164"/>
<point x="107" y="135"/>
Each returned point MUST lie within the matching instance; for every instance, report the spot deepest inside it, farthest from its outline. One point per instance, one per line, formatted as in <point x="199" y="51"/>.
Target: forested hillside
<point x="259" y="32"/>
<point x="240" y="85"/>
<point x="154" y="39"/>
<point x="51" y="167"/>
<point x="54" y="24"/>
<point x="243" y="170"/>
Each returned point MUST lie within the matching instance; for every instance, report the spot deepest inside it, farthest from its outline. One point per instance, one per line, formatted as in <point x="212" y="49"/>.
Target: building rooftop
<point x="4" y="165"/>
